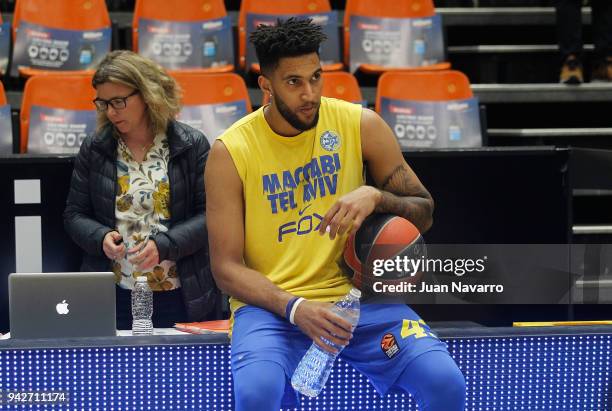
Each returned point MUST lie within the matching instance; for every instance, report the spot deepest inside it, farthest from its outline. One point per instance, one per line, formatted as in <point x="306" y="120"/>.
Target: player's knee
<point x="451" y="385"/>
<point x="251" y="397"/>
<point x="436" y="382"/>
<point x="447" y="390"/>
<point x="259" y="388"/>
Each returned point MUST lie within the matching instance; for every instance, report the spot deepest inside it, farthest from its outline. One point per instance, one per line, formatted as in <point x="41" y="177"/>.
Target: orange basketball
<point x="382" y="237"/>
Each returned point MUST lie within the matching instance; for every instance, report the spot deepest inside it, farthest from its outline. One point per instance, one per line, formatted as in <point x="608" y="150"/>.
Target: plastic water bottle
<point x="313" y="370"/>
<point x="142" y="307"/>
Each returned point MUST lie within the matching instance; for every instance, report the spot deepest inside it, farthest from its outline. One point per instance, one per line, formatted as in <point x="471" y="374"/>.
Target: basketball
<point x="380" y="239"/>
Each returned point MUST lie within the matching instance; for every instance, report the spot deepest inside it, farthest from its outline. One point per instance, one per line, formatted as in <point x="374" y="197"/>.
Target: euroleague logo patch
<point x="330" y="141"/>
<point x="389" y="345"/>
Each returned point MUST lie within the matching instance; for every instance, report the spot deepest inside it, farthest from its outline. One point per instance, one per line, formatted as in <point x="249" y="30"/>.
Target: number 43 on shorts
<point x="418" y="329"/>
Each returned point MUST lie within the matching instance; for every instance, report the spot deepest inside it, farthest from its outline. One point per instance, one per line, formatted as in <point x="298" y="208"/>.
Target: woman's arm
<point x="189" y="236"/>
<point x="79" y="223"/>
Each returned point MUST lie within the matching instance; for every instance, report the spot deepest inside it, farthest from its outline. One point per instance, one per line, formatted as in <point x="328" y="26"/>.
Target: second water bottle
<point x="142" y="307"/>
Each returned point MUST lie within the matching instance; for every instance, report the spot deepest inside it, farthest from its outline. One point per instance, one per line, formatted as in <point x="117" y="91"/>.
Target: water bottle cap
<point x="355" y="293"/>
<point x="141" y="279"/>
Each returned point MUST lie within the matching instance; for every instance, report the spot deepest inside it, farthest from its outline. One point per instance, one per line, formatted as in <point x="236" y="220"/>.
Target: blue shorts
<point x="387" y="338"/>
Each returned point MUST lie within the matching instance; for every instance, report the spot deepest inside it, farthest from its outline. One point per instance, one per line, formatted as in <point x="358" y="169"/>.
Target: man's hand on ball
<point x="350" y="211"/>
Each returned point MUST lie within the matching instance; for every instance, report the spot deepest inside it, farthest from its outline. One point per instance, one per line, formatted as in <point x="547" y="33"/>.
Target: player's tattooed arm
<point x="405" y="196"/>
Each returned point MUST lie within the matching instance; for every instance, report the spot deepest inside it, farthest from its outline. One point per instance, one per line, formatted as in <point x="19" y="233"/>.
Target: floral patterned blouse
<point x="142" y="209"/>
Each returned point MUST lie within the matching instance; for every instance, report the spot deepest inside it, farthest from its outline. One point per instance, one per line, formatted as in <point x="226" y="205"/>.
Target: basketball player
<point x="284" y="185"/>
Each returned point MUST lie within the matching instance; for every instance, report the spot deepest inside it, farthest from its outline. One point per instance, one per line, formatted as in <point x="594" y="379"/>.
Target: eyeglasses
<point x="118" y="103"/>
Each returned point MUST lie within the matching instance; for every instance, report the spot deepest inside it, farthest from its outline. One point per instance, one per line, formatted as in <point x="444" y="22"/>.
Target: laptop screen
<point x="60" y="305"/>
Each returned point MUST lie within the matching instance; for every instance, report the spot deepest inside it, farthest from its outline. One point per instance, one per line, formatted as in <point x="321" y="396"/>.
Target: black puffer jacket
<point x="90" y="211"/>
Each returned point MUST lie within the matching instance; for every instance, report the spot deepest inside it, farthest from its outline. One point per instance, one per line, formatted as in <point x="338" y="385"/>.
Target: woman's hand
<point x="145" y="257"/>
<point x="112" y="246"/>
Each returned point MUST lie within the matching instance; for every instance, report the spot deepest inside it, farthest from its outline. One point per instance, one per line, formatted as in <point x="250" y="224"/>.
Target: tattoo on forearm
<point x="400" y="183"/>
<point x="404" y="196"/>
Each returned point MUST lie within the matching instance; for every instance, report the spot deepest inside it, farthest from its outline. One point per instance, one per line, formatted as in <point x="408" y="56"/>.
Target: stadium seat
<point x="75" y="15"/>
<point x="430" y="109"/>
<point x="5" y="45"/>
<point x="6" y="129"/>
<point x="386" y="9"/>
<point x="72" y="92"/>
<point x="209" y="88"/>
<point x="3" y="100"/>
<point x="341" y="85"/>
<point x="423" y="85"/>
<point x="202" y="89"/>
<point x="184" y="11"/>
<point x="276" y="8"/>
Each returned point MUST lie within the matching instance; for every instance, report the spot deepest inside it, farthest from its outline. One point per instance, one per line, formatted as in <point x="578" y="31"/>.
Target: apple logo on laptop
<point x="62" y="308"/>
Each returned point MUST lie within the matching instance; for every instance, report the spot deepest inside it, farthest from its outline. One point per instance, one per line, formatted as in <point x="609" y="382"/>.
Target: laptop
<point x="52" y="305"/>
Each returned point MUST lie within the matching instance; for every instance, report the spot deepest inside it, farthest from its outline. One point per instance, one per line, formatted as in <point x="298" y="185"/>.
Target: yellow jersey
<point x="289" y="184"/>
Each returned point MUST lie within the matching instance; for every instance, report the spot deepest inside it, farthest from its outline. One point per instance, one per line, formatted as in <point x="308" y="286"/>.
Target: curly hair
<point x="159" y="91"/>
<point x="289" y="38"/>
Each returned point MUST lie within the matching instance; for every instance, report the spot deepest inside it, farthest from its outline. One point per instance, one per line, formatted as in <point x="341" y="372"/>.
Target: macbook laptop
<point x="51" y="305"/>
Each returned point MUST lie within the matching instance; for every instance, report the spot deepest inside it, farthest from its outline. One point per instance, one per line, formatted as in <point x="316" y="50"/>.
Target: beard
<point x="292" y="118"/>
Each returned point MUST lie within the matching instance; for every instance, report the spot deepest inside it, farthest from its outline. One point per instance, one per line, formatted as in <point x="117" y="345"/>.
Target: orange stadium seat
<point x="430" y="109"/>
<point x="341" y="85"/>
<point x="202" y="89"/>
<point x="209" y="88"/>
<point x="67" y="14"/>
<point x="423" y="85"/>
<point x="183" y="11"/>
<point x="78" y="15"/>
<point x="386" y="9"/>
<point x="276" y="7"/>
<point x="57" y="90"/>
<point x="2" y="95"/>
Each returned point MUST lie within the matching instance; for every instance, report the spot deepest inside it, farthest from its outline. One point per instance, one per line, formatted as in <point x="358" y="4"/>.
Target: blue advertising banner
<point x="329" y="51"/>
<point x="6" y="130"/>
<point x="181" y="45"/>
<point x="44" y="48"/>
<point x="213" y="119"/>
<point x="5" y="45"/>
<point x="58" y="131"/>
<point x="433" y="124"/>
<point x="393" y="42"/>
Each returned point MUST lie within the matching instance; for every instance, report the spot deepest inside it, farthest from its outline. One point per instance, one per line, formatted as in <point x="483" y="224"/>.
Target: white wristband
<point x="294" y="309"/>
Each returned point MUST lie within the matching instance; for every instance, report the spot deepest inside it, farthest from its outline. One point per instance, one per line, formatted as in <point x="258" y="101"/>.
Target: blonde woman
<point x="136" y="202"/>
